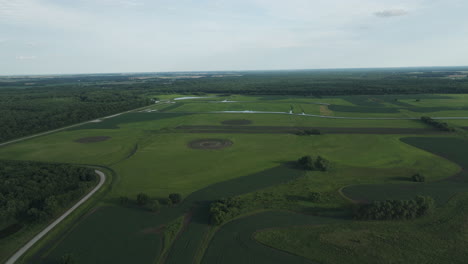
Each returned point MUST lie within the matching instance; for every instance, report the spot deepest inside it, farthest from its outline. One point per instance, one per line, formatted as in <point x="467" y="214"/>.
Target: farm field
<point x="191" y="147"/>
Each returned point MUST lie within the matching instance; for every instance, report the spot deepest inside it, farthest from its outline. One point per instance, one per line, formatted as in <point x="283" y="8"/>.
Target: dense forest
<point x="33" y="191"/>
<point x="28" y="111"/>
<point x="32" y="104"/>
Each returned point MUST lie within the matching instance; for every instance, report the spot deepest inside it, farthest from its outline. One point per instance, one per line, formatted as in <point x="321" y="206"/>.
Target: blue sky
<point x="88" y="36"/>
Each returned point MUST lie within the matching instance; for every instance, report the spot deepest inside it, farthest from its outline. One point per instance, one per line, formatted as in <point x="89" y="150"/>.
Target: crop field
<point x="453" y="149"/>
<point x="192" y="147"/>
<point x="390" y="106"/>
<point x="439" y="238"/>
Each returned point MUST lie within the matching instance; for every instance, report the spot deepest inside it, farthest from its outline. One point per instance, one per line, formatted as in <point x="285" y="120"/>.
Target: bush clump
<point x="418" y="178"/>
<point x="175" y="198"/>
<point x="309" y="163"/>
<point x="142" y="199"/>
<point x="395" y="209"/>
<point x="224" y="210"/>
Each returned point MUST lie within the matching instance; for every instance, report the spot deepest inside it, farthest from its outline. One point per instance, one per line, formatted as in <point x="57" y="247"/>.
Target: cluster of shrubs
<point x="395" y="209"/>
<point x="310" y="163"/>
<point x="154" y="205"/>
<point x="418" y="178"/>
<point x="224" y="209"/>
<point x="308" y="132"/>
<point x="439" y="125"/>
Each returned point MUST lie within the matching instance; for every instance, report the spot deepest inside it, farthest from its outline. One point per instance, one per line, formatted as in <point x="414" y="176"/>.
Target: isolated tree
<point x="418" y="178"/>
<point x="142" y="199"/>
<point x="321" y="163"/>
<point x="175" y="198"/>
<point x="306" y="162"/>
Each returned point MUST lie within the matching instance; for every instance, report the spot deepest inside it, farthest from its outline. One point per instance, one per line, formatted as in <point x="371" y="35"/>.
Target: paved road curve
<point x="21" y="251"/>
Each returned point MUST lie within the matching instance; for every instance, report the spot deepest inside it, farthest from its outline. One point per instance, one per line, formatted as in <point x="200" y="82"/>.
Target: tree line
<point x="443" y="126"/>
<point x="37" y="110"/>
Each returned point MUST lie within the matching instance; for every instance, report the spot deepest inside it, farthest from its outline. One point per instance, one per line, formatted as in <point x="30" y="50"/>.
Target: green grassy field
<point x="396" y="106"/>
<point x="393" y="241"/>
<point x="234" y="242"/>
<point x="454" y="149"/>
<point x="439" y="238"/>
<point x="150" y="155"/>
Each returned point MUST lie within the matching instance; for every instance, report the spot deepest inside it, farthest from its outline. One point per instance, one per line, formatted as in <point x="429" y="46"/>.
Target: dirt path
<point x="21" y="251"/>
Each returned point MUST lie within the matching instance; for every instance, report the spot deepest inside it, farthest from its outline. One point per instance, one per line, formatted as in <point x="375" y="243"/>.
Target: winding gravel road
<point x="21" y="251"/>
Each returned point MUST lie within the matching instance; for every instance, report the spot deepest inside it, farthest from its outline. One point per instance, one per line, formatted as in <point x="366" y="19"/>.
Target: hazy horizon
<point x="460" y="67"/>
<point x="44" y="37"/>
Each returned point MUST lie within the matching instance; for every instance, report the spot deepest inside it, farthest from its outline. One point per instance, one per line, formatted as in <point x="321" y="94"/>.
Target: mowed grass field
<point x="150" y="155"/>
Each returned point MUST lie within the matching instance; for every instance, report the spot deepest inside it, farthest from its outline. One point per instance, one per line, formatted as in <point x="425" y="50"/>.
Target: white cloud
<point x="22" y="57"/>
<point x="391" y="13"/>
<point x="146" y="35"/>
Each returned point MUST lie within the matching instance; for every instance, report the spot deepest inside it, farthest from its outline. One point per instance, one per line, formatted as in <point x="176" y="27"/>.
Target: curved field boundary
<point x="453" y="149"/>
<point x="235" y="243"/>
<point x="22" y="251"/>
